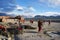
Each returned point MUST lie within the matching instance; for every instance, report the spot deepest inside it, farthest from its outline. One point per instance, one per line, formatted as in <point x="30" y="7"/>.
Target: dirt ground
<point x="34" y="35"/>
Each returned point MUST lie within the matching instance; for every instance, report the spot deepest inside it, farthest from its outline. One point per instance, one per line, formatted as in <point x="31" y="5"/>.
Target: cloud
<point x="21" y="10"/>
<point x="32" y="9"/>
<point x="15" y="12"/>
<point x="51" y="3"/>
<point x="7" y="5"/>
<point x="11" y="4"/>
<point x="33" y="14"/>
<point x="18" y="7"/>
<point x="1" y="8"/>
<point x="50" y="13"/>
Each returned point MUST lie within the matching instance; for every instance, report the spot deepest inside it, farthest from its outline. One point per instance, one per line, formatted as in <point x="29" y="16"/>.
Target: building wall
<point x="11" y="20"/>
<point x="22" y="20"/>
<point x="6" y="19"/>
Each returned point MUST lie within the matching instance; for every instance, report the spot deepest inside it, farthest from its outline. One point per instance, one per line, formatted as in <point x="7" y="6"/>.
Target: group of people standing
<point x="40" y="24"/>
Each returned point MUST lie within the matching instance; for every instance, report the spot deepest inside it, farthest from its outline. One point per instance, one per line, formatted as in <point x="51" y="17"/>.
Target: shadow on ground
<point x="31" y="32"/>
<point x="16" y="37"/>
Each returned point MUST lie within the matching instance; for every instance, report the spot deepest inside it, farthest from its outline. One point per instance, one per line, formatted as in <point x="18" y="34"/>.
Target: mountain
<point x="12" y="15"/>
<point x="27" y="16"/>
<point x="3" y="14"/>
<point x="47" y="17"/>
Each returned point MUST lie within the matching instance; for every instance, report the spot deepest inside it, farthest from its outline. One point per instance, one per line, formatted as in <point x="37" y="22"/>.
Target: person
<point x="31" y="21"/>
<point x="49" y="22"/>
<point x="39" y="25"/>
<point x="2" y="28"/>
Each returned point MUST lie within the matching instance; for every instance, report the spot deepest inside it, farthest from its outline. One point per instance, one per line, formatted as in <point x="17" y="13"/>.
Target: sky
<point x="30" y="7"/>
